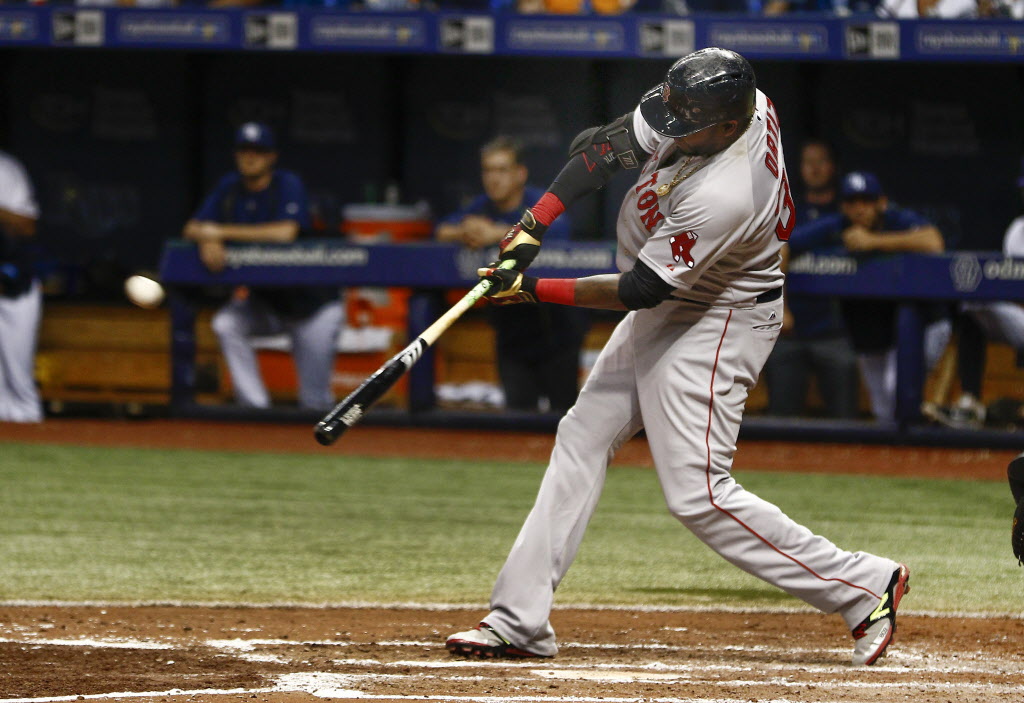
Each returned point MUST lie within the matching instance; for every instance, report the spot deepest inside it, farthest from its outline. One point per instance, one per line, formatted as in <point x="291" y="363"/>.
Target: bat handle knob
<point x="326" y="433"/>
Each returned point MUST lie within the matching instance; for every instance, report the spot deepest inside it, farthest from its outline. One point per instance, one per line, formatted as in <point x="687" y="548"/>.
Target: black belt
<point x="766" y="297"/>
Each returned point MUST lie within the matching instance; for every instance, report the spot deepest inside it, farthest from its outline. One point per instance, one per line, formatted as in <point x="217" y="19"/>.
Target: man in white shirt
<point x="21" y="298"/>
<point x="985" y="321"/>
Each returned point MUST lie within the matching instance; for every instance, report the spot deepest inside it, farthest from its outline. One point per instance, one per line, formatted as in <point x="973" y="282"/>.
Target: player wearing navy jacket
<point x="537" y="347"/>
<point x="260" y="203"/>
<point x="867" y="225"/>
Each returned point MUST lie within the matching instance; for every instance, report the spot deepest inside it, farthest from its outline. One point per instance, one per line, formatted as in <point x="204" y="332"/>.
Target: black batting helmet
<point x="701" y="89"/>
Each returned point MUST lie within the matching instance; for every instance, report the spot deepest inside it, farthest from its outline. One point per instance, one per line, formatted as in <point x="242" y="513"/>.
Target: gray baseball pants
<point x="682" y="371"/>
<point x="314" y="346"/>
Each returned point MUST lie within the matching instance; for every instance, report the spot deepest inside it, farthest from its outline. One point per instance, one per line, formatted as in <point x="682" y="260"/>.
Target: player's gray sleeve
<point x="641" y="287"/>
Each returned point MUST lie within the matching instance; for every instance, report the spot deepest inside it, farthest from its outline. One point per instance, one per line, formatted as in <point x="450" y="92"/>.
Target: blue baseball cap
<point x="860" y="184"/>
<point x="256" y="135"/>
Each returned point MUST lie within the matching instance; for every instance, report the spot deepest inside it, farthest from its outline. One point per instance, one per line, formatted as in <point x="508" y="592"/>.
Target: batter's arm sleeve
<point x="596" y="155"/>
<point x="592" y="162"/>
<point x="641" y="287"/>
<point x="606" y="291"/>
<point x="638" y="288"/>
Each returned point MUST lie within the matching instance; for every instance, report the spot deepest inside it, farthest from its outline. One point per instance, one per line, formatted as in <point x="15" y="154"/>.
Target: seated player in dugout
<point x="982" y="322"/>
<point x="537" y="348"/>
<point x="814" y="343"/>
<point x="260" y="203"/>
<point x="867" y="224"/>
<point x="699" y="241"/>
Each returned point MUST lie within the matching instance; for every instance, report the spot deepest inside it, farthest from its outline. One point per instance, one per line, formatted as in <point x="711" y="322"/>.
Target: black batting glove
<point x="509" y="286"/>
<point x="522" y="242"/>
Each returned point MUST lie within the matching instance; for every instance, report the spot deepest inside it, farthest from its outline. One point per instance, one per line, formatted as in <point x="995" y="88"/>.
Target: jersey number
<point x="784" y="205"/>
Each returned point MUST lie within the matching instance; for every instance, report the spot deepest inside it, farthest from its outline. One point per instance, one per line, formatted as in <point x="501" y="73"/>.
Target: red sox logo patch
<point x="681" y="245"/>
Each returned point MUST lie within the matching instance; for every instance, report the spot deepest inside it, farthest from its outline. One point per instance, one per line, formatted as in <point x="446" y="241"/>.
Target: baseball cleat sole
<point x="876" y="633"/>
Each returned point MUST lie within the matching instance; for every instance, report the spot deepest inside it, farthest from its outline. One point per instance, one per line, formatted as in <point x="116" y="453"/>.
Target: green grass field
<point x="149" y="525"/>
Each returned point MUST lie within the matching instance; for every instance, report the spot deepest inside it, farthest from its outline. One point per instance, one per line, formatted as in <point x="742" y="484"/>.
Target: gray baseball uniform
<point x="712" y="227"/>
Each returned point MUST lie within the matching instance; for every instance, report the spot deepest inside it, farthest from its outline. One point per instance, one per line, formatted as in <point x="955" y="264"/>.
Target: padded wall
<point x="453" y="105"/>
<point x="944" y="139"/>
<point x="103" y="138"/>
<point x="336" y="117"/>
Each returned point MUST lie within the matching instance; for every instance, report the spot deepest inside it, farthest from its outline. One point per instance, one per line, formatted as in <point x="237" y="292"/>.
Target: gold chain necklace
<point x="666" y="188"/>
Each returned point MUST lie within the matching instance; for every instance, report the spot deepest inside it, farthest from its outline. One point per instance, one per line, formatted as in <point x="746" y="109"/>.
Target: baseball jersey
<point x="558" y="230"/>
<point x="826" y="233"/>
<point x="284" y="199"/>
<point x="814" y="317"/>
<point x="16" y="196"/>
<point x="711" y="226"/>
<point x="871" y="324"/>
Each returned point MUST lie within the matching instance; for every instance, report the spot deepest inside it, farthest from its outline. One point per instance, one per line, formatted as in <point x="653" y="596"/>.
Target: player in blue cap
<point x="865" y="225"/>
<point x="260" y="203"/>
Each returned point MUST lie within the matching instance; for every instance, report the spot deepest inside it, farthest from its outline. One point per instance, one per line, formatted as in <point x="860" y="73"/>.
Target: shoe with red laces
<point x="483" y="641"/>
<point x="876" y="631"/>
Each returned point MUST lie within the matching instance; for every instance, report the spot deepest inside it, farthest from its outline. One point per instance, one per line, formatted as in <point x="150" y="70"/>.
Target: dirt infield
<point x="297" y="655"/>
<point x="56" y="652"/>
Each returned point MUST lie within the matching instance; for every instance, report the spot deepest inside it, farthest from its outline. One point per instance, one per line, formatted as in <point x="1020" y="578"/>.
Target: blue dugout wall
<point x="122" y="140"/>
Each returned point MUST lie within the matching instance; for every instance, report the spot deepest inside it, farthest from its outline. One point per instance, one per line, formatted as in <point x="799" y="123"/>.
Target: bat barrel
<point x="351" y="410"/>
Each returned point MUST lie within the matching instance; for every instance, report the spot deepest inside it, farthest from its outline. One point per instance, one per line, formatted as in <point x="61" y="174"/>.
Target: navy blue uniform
<point x="311" y="316"/>
<point x="284" y="199"/>
<point x="871" y="324"/>
<point x="537" y="346"/>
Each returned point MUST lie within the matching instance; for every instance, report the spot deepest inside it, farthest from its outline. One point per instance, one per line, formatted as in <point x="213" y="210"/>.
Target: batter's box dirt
<point x="288" y="655"/>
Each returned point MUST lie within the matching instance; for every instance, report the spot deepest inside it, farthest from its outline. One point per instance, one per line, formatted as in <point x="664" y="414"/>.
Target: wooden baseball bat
<point x="351" y="410"/>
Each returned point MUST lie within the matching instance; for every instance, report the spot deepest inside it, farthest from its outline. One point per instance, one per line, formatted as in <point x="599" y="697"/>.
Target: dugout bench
<point x="431" y="269"/>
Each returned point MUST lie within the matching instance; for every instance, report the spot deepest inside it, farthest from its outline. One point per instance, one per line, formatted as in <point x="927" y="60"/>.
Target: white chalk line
<point x="94" y="643"/>
<point x="324" y="686"/>
<point x="910" y="661"/>
<point x="652" y="672"/>
<point x="340" y="686"/>
<point x="900" y="662"/>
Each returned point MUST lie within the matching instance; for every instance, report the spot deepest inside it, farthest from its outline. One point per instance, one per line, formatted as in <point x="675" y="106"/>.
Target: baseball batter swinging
<point x="698" y="247"/>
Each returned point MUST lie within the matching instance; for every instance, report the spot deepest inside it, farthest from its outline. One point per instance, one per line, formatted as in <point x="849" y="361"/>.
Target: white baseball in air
<point x="144" y="291"/>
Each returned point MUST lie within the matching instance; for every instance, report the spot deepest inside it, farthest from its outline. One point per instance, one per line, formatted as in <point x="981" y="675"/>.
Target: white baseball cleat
<point x="483" y="641"/>
<point x="874" y="634"/>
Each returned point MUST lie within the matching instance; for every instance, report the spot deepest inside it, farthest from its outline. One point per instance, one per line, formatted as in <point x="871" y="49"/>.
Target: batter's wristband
<point x="557" y="290"/>
<point x="547" y="209"/>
